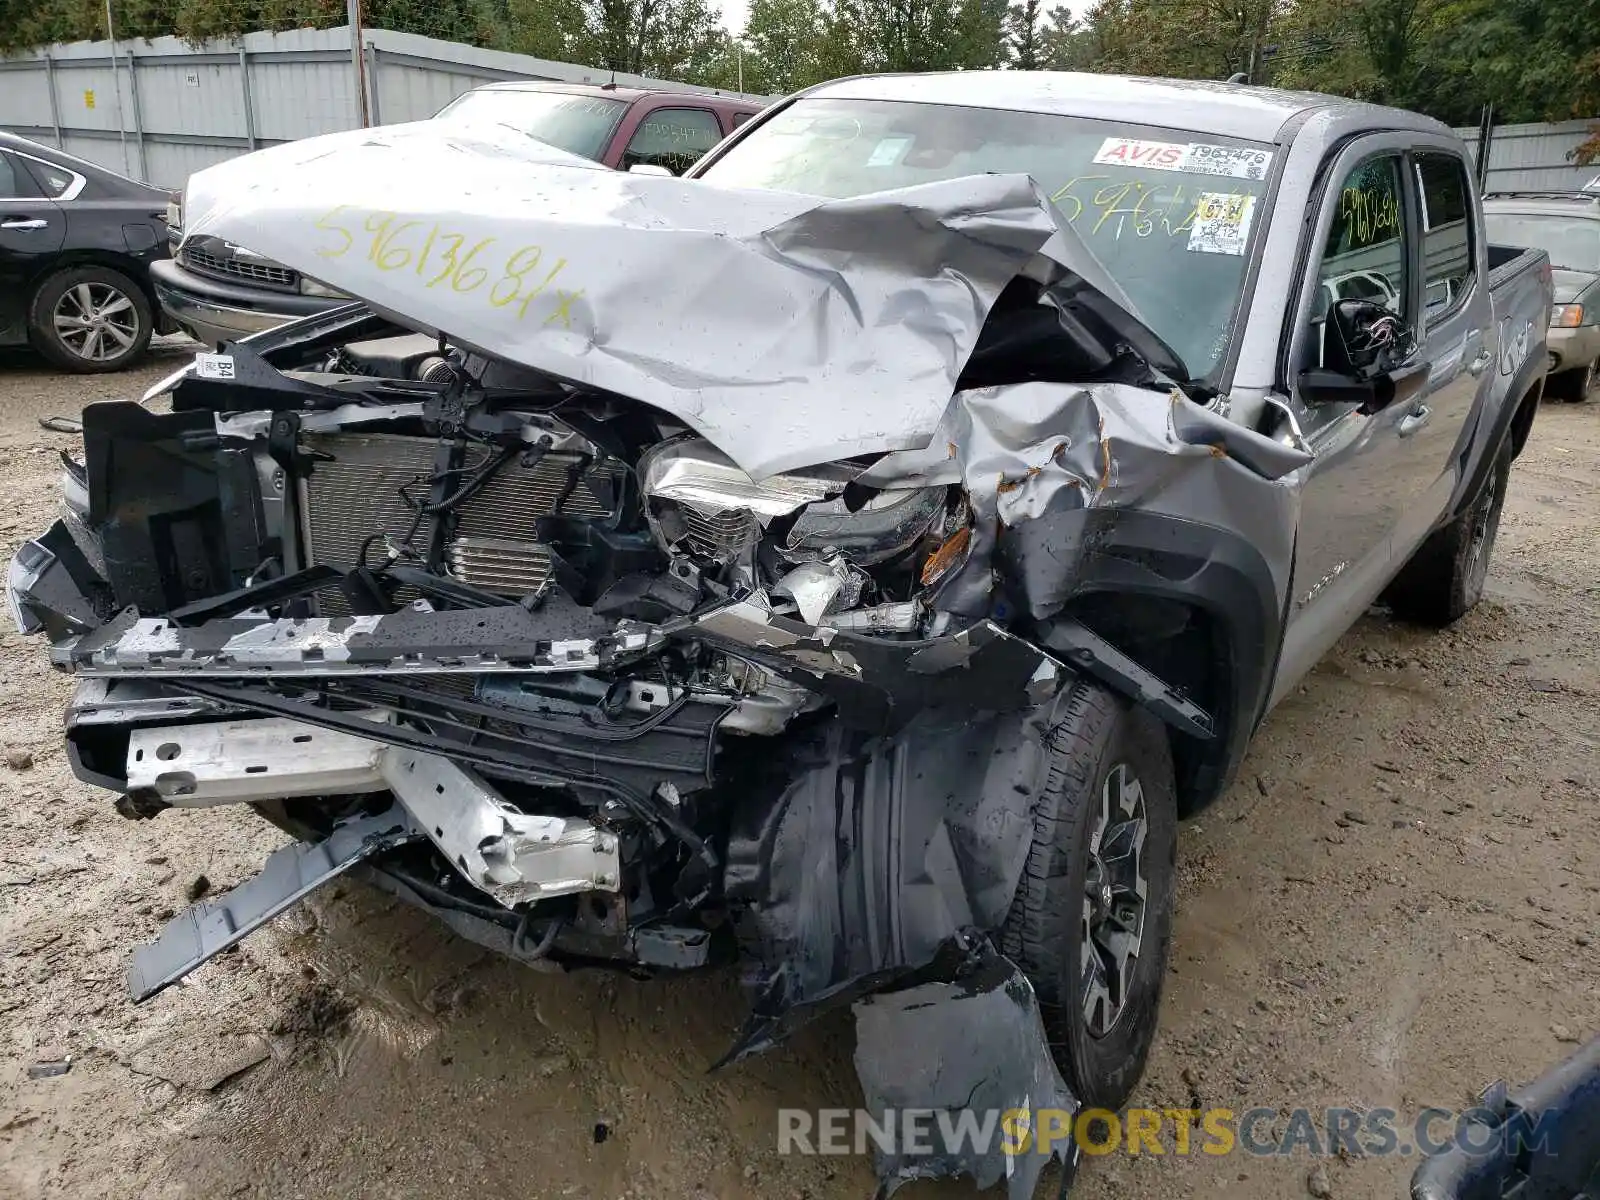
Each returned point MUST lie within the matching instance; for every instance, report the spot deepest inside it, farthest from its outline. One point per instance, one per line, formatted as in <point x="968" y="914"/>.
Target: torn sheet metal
<point x="289" y="874"/>
<point x="802" y="330"/>
<point x="1028" y="451"/>
<point x="877" y="853"/>
<point x="961" y="1072"/>
<point x="879" y="684"/>
<point x="515" y="857"/>
<point x="559" y="637"/>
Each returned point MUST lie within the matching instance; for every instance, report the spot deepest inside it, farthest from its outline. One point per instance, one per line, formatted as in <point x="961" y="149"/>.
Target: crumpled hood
<point x="786" y="329"/>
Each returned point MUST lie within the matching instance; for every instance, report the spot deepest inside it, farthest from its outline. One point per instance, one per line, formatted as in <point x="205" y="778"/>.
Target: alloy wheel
<point x="96" y="321"/>
<point x="1485" y="524"/>
<point x="1114" y="902"/>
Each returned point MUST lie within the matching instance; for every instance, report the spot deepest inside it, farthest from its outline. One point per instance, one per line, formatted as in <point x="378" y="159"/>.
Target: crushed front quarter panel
<point x="1028" y="452"/>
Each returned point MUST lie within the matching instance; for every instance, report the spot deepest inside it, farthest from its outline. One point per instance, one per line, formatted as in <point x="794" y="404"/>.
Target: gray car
<point x="1566" y="225"/>
<point x="858" y="578"/>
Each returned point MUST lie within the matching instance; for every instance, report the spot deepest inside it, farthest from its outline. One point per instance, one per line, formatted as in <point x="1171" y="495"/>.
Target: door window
<point x="673" y="138"/>
<point x="53" y="179"/>
<point x="1447" y="250"/>
<point x="1365" y="256"/>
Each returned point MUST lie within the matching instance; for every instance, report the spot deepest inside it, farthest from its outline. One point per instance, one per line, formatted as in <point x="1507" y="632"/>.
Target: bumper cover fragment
<point x="207" y="929"/>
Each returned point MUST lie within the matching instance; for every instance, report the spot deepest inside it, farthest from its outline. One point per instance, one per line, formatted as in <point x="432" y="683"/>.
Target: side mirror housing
<point x="1372" y="393"/>
<point x="1335" y="387"/>
<point x="1368" y="338"/>
<point x="649" y="169"/>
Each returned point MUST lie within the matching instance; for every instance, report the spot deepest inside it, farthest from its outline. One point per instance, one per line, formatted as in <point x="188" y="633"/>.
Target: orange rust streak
<point x="946" y="556"/>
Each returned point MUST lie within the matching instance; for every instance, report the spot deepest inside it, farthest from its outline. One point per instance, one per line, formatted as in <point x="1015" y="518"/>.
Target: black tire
<point x="1444" y="579"/>
<point x="1100" y="743"/>
<point x="1575" y="386"/>
<point x="114" y="334"/>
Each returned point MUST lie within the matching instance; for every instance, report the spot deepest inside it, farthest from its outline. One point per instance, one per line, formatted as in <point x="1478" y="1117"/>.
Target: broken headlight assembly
<point x="700" y="502"/>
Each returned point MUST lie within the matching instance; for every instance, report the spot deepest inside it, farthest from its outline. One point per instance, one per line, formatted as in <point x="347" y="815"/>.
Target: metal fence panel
<point x="295" y="99"/>
<point x="205" y="98"/>
<point x="163" y="109"/>
<point x="25" y="93"/>
<point x="1532" y="157"/>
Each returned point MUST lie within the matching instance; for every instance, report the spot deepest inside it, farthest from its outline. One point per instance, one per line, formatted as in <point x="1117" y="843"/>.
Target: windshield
<point x="576" y="124"/>
<point x="1167" y="213"/>
<point x="1569" y="241"/>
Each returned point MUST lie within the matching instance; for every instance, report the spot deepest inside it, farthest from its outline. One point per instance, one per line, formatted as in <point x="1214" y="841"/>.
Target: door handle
<point x="24" y="224"/>
<point x="1480" y="360"/>
<point x="1415" y="420"/>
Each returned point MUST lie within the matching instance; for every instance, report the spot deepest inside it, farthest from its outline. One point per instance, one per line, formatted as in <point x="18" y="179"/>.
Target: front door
<point x="1363" y="477"/>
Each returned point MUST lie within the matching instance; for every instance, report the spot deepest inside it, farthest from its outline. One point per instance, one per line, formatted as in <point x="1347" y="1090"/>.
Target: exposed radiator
<point x="357" y="494"/>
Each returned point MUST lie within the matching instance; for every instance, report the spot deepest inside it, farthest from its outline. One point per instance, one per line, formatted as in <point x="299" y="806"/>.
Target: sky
<point x="734" y="12"/>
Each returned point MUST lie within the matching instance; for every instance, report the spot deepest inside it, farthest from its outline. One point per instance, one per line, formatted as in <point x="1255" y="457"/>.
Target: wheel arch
<point x="97" y="256"/>
<point x="1197" y="606"/>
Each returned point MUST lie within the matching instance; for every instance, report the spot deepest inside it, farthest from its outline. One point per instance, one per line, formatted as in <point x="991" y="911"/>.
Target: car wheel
<point x="1444" y="579"/>
<point x="1578" y="384"/>
<point x="90" y="320"/>
<point x="1092" y="918"/>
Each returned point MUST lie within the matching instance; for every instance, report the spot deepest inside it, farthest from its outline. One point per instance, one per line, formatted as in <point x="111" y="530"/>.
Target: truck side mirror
<point x="1368" y="338"/>
<point x="1373" y="392"/>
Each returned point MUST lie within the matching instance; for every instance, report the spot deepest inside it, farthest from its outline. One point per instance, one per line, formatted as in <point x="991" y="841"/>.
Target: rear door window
<point x="1447" y="249"/>
<point x="673" y="138"/>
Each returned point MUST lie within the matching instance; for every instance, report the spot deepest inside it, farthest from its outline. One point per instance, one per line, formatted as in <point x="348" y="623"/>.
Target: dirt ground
<point x="1398" y="902"/>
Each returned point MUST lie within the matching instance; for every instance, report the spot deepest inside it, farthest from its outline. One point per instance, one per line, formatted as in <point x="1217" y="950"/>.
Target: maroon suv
<point x="218" y="291"/>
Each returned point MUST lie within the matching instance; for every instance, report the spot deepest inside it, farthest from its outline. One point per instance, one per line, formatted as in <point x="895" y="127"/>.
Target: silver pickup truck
<point x="852" y="559"/>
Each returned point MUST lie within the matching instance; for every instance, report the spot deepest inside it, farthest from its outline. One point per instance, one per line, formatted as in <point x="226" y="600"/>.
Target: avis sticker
<point x="1194" y="158"/>
<point x="1131" y="152"/>
<point x="1221" y="223"/>
<point x="214" y="366"/>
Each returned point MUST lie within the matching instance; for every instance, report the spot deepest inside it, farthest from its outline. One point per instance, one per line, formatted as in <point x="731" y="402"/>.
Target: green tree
<point x="785" y="40"/>
<point x="1025" y="35"/>
<point x="1064" y="43"/>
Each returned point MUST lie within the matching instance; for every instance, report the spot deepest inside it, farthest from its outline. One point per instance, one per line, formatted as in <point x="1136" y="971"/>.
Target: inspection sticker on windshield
<point x="214" y="366"/>
<point x="1238" y="162"/>
<point x="887" y="152"/>
<point x="1193" y="158"/>
<point x="1221" y="223"/>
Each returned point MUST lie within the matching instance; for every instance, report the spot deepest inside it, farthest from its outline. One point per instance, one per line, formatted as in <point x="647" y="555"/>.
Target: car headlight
<point x="699" y="499"/>
<point x="175" y="220"/>
<point x="310" y="287"/>
<point x="1566" y="316"/>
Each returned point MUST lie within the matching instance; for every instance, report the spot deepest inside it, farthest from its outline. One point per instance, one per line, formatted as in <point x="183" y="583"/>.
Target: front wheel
<point x="90" y="320"/>
<point x="1092" y="919"/>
